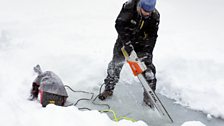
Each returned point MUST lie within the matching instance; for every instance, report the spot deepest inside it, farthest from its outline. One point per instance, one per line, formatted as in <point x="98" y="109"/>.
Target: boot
<point x="110" y="83"/>
<point x="105" y="94"/>
<point x="147" y="100"/>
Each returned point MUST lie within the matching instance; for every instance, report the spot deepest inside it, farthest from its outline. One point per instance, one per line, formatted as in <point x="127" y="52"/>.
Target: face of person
<point x="144" y="13"/>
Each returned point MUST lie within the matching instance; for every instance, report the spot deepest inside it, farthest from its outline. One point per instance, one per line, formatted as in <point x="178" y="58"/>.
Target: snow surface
<point x="193" y="123"/>
<point x="75" y="40"/>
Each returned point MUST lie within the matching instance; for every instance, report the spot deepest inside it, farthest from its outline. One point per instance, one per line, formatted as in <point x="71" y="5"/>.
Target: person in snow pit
<point x="50" y="88"/>
<point x="137" y="26"/>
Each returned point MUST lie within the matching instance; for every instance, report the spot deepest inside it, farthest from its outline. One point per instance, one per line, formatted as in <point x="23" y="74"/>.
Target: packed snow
<point x="189" y="54"/>
<point x="75" y="40"/>
<point x="193" y="123"/>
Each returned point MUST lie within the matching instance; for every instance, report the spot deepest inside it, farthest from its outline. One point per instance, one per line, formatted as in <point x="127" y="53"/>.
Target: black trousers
<point x="144" y="52"/>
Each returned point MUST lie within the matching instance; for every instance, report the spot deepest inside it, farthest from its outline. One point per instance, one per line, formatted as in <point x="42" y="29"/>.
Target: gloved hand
<point x="34" y="91"/>
<point x="31" y="98"/>
<point x="128" y="47"/>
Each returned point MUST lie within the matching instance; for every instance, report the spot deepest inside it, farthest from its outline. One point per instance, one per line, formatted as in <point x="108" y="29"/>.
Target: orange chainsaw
<point x="138" y="68"/>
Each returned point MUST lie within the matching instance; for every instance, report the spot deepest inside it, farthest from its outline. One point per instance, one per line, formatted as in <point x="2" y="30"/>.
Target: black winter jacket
<point x="133" y="27"/>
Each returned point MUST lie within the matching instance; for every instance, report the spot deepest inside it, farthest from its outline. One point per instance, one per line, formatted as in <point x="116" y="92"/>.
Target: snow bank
<point x="188" y="54"/>
<point x="197" y="84"/>
<point x="193" y="123"/>
<point x="33" y="114"/>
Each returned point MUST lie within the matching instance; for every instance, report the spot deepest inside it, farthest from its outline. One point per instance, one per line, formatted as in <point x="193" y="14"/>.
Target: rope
<point x="116" y="119"/>
<point x="87" y="99"/>
<point x="92" y="95"/>
<point x="108" y="106"/>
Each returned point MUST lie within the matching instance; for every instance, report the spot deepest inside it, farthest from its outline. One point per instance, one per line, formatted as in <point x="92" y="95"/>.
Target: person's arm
<point x="35" y="88"/>
<point x="123" y="24"/>
<point x="152" y="30"/>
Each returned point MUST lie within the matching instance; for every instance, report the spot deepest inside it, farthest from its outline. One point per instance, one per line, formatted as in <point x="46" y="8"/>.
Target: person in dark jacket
<point x="137" y="26"/>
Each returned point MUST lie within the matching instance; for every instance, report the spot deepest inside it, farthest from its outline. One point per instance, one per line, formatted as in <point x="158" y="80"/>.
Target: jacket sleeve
<point x="152" y="31"/>
<point x="122" y="23"/>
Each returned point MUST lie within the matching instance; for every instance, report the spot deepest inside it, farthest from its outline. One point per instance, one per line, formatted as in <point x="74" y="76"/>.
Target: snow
<point x="193" y="123"/>
<point x="190" y="65"/>
<point x="75" y="40"/>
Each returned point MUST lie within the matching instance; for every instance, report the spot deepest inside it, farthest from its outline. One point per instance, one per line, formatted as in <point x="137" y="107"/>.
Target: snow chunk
<point x="193" y="123"/>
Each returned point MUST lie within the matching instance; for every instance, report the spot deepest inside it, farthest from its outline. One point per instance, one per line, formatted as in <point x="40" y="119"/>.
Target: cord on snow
<point x="92" y="96"/>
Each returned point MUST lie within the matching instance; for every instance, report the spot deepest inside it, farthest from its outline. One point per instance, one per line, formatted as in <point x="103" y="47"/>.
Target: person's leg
<point x="146" y="56"/>
<point x="150" y="77"/>
<point x="113" y="70"/>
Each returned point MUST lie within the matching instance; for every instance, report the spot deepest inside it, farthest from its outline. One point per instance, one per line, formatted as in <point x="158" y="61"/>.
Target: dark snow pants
<point x="114" y="68"/>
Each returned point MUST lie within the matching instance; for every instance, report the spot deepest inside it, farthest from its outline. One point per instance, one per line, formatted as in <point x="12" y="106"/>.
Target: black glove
<point x="128" y="47"/>
<point x="34" y="91"/>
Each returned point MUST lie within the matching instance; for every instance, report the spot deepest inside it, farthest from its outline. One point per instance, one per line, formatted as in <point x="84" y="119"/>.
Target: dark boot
<point x="109" y="87"/>
<point x="147" y="100"/>
<point x="105" y="94"/>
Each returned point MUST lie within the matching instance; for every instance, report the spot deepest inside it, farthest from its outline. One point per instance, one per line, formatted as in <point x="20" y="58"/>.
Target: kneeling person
<point x="50" y="87"/>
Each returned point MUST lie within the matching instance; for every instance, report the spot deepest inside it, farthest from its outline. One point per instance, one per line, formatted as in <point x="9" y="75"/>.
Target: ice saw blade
<point x="154" y="100"/>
